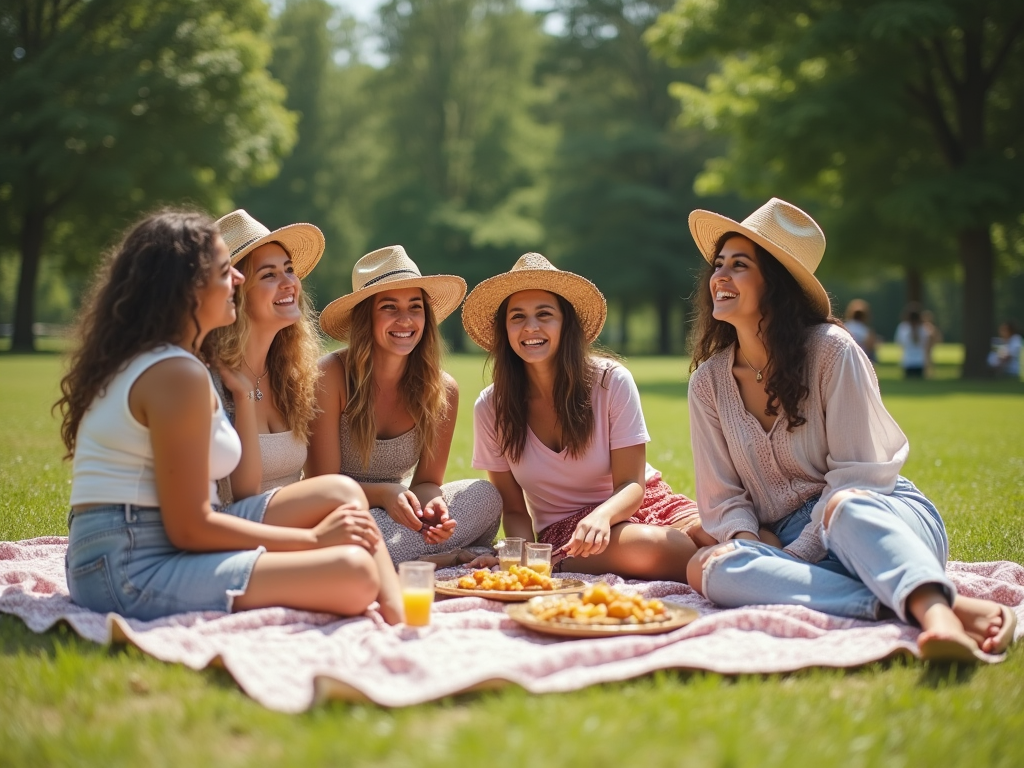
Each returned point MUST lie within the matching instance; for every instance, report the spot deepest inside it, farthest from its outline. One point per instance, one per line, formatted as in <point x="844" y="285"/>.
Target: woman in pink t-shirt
<point x="561" y="432"/>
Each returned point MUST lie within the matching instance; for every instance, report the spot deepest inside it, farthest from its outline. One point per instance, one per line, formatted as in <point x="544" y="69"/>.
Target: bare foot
<point x="988" y="623"/>
<point x="944" y="637"/>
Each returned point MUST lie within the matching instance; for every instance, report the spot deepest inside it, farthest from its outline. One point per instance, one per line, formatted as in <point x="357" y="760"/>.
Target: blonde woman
<point x="387" y="412"/>
<point x="268" y="357"/>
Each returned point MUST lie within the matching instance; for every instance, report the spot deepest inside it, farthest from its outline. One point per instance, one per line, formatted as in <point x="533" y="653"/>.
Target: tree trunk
<point x="979" y="298"/>
<point x="664" y="324"/>
<point x="915" y="285"/>
<point x="623" y="327"/>
<point x="32" y="231"/>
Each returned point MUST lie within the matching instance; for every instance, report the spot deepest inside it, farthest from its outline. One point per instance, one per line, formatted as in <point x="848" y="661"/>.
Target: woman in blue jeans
<point x="798" y="462"/>
<point x="149" y="438"/>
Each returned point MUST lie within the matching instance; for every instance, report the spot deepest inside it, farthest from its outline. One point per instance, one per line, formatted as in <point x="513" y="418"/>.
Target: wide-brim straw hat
<point x="243" y="234"/>
<point x="390" y="269"/>
<point x="782" y="229"/>
<point x="532" y="271"/>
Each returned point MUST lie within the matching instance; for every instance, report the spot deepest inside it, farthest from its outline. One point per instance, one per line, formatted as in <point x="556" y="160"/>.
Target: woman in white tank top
<point x="267" y="359"/>
<point x="149" y="436"/>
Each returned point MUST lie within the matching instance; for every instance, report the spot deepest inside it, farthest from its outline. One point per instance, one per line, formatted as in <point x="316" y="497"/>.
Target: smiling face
<point x="398" y="319"/>
<point x="533" y="322"/>
<point x="216" y="299"/>
<point x="272" y="289"/>
<point x="737" y="284"/>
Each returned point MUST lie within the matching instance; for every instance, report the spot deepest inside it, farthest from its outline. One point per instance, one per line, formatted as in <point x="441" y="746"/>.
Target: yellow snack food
<point x="518" y="578"/>
<point x="599" y="604"/>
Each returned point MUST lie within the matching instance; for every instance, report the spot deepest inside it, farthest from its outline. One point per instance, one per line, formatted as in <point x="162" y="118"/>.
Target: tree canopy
<point x="114" y="106"/>
<point x="900" y="123"/>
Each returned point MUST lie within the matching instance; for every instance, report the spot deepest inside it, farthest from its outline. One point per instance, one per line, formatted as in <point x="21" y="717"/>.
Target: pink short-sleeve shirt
<point x="556" y="485"/>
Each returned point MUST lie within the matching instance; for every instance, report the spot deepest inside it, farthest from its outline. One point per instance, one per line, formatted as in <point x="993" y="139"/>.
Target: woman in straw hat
<point x="149" y="437"/>
<point x="561" y="432"/>
<point x="789" y="432"/>
<point x="387" y="411"/>
<point x="268" y="356"/>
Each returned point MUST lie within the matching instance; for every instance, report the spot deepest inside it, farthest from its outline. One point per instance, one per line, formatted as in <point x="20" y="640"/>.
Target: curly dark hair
<point x="786" y="315"/>
<point x="574" y="380"/>
<point x="140" y="298"/>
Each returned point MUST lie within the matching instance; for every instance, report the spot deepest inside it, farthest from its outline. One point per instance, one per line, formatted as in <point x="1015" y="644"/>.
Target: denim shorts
<point x="120" y="560"/>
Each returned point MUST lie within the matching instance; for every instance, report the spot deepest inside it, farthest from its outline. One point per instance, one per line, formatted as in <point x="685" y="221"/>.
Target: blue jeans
<point x="880" y="549"/>
<point x="120" y="560"/>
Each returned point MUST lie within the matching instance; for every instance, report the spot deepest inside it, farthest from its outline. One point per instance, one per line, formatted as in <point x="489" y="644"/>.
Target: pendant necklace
<point x="757" y="372"/>
<point x="259" y="395"/>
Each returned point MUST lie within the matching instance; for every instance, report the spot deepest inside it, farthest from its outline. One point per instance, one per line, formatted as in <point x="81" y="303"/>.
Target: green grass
<point x="65" y="701"/>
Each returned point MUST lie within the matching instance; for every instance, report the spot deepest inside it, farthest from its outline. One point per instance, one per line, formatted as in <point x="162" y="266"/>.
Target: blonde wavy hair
<point x="423" y="390"/>
<point x="291" y="362"/>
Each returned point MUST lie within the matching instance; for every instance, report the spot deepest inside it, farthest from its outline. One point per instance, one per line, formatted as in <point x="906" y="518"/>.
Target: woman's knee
<point x="695" y="568"/>
<point x="342" y="489"/>
<point x="356" y="579"/>
<point x="839" y="499"/>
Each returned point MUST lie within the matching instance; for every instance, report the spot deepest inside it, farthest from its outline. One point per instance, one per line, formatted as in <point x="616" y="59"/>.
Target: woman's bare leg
<point x="639" y="552"/>
<point x="307" y="502"/>
<point x="390" y="594"/>
<point x="342" y="580"/>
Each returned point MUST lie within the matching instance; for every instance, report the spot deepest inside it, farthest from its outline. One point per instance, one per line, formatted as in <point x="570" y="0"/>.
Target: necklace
<point x="259" y="395"/>
<point x="757" y="372"/>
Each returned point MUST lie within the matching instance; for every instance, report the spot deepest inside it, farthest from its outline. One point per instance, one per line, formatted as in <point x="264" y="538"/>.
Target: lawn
<point x="65" y="701"/>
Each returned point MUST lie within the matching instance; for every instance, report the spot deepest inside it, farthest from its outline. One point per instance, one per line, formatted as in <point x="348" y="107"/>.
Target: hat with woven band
<point x="390" y="269"/>
<point x="532" y="272"/>
<point x="243" y="234"/>
<point x="782" y="229"/>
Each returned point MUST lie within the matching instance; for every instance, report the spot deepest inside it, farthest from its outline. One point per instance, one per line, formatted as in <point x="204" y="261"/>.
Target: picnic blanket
<point x="288" y="660"/>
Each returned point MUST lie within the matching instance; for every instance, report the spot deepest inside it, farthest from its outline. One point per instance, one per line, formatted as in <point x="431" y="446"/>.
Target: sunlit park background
<point x="472" y="131"/>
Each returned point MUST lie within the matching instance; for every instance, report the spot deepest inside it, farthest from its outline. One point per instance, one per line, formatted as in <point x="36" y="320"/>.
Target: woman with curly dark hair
<point x="149" y="438"/>
<point x="798" y="462"/>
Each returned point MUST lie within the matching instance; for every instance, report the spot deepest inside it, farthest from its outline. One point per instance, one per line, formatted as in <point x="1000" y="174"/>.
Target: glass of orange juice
<point x="416" y="580"/>
<point x="510" y="552"/>
<point x="538" y="557"/>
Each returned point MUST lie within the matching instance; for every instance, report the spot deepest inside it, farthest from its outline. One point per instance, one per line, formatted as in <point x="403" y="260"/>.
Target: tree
<point x="622" y="181"/>
<point x="903" y="120"/>
<point x="111" y="106"/>
<point x="462" y="186"/>
<point x="328" y="177"/>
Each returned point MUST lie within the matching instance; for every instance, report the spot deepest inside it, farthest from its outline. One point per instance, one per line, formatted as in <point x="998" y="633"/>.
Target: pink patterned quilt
<point x="288" y="660"/>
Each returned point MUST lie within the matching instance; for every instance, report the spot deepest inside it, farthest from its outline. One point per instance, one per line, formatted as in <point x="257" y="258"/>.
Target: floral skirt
<point x="659" y="507"/>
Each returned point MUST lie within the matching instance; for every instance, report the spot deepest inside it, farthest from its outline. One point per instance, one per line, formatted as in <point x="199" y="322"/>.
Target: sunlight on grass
<point x="65" y="701"/>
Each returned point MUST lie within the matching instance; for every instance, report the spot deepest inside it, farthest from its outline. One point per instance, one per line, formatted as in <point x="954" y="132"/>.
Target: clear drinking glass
<point x="538" y="557"/>
<point x="510" y="552"/>
<point x="416" y="580"/>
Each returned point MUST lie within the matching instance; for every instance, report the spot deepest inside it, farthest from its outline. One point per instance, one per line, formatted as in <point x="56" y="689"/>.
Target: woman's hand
<point x="235" y="382"/>
<point x="484" y="561"/>
<point x="403" y="507"/>
<point x="591" y="537"/>
<point x="348" y="525"/>
<point x="439" y="526"/>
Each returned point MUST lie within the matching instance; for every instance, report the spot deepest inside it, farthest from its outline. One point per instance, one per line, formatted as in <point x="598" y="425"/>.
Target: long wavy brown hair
<point x="142" y="297"/>
<point x="575" y="378"/>
<point x="422" y="386"/>
<point x="291" y="360"/>
<point x="786" y="315"/>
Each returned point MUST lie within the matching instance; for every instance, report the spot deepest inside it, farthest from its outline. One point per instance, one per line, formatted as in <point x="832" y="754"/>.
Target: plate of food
<point x="600" y="611"/>
<point x="514" y="585"/>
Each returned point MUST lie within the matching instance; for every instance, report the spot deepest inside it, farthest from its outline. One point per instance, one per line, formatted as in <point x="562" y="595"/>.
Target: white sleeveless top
<point x="113" y="461"/>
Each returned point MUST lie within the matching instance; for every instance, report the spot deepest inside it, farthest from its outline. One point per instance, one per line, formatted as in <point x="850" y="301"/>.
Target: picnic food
<point x="599" y="604"/>
<point x="517" y="578"/>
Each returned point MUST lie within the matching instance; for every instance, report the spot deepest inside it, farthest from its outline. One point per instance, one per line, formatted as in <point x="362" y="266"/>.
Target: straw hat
<point x="391" y="268"/>
<point x="532" y="271"/>
<point x="782" y="229"/>
<point x="243" y="234"/>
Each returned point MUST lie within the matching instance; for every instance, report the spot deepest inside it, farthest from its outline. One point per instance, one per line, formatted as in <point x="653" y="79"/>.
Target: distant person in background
<point x="858" y="322"/>
<point x="1006" y="347"/>
<point x="934" y="338"/>
<point x="912" y="336"/>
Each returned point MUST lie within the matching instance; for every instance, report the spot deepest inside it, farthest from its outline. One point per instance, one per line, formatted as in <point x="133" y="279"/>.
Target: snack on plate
<point x="599" y="604"/>
<point x="518" y="578"/>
